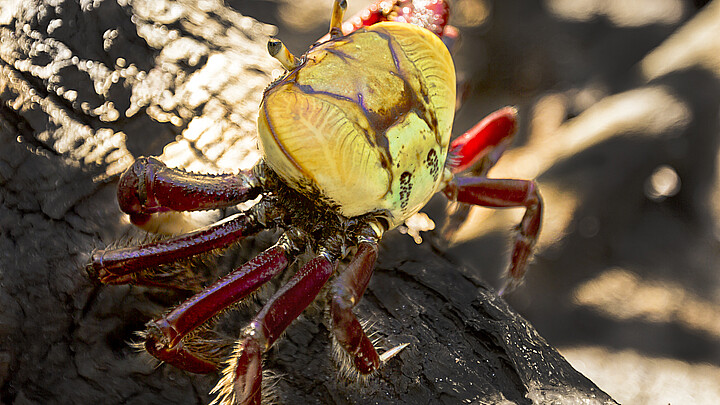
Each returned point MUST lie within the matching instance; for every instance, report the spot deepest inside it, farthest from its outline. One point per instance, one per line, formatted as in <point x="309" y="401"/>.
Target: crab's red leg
<point x="478" y="150"/>
<point x="242" y="378"/>
<point x="149" y="186"/>
<point x="485" y="141"/>
<point x="502" y="193"/>
<point x="164" y="336"/>
<point x="347" y="291"/>
<point x="118" y="266"/>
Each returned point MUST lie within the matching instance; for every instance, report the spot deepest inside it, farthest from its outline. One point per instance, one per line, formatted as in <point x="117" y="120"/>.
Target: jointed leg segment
<point x="348" y="288"/>
<point x="505" y="193"/>
<point x="164" y="336"/>
<point x="242" y="378"/>
<point x="122" y="266"/>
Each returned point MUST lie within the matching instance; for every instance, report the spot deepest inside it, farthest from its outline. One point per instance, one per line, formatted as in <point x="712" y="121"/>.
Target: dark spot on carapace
<point x="433" y="164"/>
<point x="405" y="189"/>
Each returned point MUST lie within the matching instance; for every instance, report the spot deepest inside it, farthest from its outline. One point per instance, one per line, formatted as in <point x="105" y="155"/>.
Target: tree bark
<point x="87" y="87"/>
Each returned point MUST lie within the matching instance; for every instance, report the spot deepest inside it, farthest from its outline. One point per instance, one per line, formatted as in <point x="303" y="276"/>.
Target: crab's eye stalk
<point x="339" y="7"/>
<point x="279" y="51"/>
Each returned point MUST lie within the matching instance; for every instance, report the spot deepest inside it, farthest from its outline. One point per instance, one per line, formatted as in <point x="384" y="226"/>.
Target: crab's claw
<point x="430" y="14"/>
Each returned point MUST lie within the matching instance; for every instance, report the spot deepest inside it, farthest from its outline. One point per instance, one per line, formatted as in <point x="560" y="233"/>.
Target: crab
<point x="355" y="139"/>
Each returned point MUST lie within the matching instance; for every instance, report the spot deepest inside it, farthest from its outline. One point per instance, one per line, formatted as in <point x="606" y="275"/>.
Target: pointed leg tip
<point x="510" y="110"/>
<point x="392" y="352"/>
<point x="241" y="379"/>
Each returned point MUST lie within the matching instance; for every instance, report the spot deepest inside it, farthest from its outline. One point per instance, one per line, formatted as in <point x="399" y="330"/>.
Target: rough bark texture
<point x="88" y="86"/>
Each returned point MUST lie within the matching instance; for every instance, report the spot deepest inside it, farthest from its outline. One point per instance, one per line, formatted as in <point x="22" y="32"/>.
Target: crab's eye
<point x="279" y="51"/>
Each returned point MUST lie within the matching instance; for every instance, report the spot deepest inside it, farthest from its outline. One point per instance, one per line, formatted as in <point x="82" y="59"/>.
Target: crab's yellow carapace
<point x="364" y="122"/>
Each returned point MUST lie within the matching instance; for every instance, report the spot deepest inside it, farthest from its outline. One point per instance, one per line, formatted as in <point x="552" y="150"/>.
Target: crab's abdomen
<point x="365" y="123"/>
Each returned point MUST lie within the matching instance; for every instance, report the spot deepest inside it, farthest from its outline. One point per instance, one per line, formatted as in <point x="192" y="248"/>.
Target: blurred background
<point x="619" y="106"/>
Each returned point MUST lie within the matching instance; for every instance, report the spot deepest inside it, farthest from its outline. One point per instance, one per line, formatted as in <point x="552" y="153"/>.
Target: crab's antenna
<point x="339" y="7"/>
<point x="279" y="51"/>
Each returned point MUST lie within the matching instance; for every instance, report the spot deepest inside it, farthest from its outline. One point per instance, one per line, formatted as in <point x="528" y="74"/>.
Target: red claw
<point x="430" y="14"/>
<point x="149" y="187"/>
<point x="489" y="136"/>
